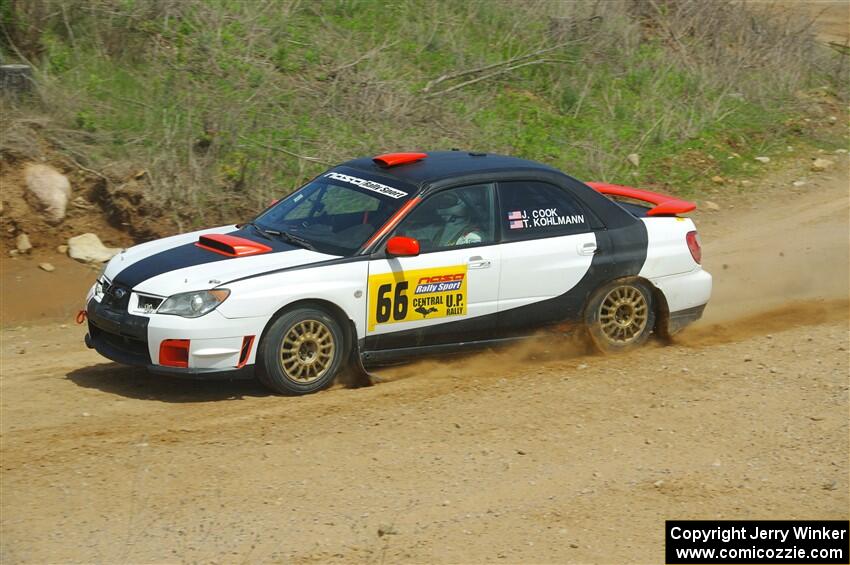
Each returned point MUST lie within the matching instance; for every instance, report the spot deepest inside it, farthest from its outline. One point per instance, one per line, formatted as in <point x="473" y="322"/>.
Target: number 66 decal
<point x="397" y="305"/>
<point x="423" y="294"/>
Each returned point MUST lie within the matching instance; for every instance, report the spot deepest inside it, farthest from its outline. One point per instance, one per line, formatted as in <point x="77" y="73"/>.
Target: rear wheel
<point x="302" y="352"/>
<point x="620" y="316"/>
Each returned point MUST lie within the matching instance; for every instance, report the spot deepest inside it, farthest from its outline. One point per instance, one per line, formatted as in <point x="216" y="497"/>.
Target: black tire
<point x="303" y="366"/>
<point x="620" y="316"/>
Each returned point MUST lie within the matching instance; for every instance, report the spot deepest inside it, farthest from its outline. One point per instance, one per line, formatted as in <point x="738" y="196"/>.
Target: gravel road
<point x="532" y="454"/>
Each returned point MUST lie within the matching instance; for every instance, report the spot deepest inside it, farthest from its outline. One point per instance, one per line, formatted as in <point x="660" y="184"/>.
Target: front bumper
<point x="118" y="335"/>
<point x="216" y="347"/>
<point x="103" y="347"/>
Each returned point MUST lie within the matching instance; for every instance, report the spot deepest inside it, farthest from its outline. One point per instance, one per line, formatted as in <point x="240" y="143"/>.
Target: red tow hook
<point x="81" y="317"/>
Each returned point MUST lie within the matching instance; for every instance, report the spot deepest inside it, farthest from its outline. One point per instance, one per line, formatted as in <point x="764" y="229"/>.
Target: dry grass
<point x="228" y="104"/>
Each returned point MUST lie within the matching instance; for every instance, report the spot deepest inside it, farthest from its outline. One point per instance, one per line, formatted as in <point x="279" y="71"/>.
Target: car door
<point x="449" y="291"/>
<point x="547" y="248"/>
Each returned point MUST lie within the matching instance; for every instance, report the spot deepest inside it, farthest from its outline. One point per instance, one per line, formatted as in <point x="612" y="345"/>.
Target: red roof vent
<point x="393" y="159"/>
<point x="231" y="245"/>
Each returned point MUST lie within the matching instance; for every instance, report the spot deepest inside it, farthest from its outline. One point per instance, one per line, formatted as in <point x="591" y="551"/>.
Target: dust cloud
<point x="776" y="265"/>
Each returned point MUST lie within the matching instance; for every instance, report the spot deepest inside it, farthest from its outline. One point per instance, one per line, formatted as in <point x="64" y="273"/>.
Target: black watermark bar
<point x="757" y="541"/>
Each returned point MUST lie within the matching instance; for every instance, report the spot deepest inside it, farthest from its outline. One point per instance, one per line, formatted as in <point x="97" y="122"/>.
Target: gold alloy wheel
<point x="306" y="351"/>
<point x="623" y="314"/>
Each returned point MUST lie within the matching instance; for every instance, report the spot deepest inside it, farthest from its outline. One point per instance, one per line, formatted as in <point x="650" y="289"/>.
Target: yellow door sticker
<point x="423" y="294"/>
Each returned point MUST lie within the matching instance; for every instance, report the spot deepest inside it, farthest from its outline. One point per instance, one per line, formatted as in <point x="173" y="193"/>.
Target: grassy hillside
<point x="228" y="103"/>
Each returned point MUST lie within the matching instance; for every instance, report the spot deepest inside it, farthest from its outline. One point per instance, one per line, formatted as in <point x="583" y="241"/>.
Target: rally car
<point x="397" y="256"/>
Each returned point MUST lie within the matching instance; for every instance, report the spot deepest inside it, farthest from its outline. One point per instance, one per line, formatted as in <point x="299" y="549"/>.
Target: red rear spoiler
<point x="664" y="205"/>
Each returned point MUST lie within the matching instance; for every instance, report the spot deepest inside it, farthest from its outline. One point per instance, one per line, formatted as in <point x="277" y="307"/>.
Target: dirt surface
<point x="84" y="212"/>
<point x="532" y="454"/>
<point x="831" y="17"/>
<point x="29" y="294"/>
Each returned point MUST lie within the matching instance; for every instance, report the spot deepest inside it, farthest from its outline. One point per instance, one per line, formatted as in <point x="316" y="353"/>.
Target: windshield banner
<point x="368" y="185"/>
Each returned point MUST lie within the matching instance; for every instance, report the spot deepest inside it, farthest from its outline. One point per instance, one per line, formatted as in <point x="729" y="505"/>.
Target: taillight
<point x="693" y="244"/>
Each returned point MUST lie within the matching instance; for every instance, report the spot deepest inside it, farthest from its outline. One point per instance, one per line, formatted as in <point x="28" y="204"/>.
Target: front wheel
<point x="302" y="352"/>
<point x="620" y="316"/>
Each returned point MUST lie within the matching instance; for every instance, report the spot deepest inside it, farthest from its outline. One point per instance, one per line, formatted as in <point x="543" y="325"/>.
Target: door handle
<point x="588" y="248"/>
<point x="478" y="262"/>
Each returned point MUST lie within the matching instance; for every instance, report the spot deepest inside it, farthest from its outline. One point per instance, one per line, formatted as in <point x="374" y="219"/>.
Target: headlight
<point x="99" y="286"/>
<point x="193" y="304"/>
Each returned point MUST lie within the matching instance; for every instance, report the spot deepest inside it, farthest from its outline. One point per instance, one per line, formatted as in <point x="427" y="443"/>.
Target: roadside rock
<point x="80" y="202"/>
<point x="717" y="179"/>
<point x="709" y="205"/>
<point x="50" y="189"/>
<point x="46" y="267"/>
<point x="63" y="249"/>
<point x="88" y="248"/>
<point x="22" y="243"/>
<point x="634" y="159"/>
<point x="820" y="165"/>
<point x="763" y="159"/>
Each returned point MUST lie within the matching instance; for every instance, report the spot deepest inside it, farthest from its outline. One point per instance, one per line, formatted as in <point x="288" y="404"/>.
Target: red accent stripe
<point x="245" y="352"/>
<point x="231" y="245"/>
<point x="394" y="219"/>
<point x="664" y="205"/>
<point x="393" y="159"/>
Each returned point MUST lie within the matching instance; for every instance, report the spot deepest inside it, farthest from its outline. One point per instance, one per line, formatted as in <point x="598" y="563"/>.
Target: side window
<point x="531" y="209"/>
<point x="452" y="218"/>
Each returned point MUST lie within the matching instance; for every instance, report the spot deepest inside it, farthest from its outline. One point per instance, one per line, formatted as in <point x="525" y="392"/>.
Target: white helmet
<point x="450" y="206"/>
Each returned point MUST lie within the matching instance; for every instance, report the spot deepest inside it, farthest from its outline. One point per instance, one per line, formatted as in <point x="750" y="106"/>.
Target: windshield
<point x="336" y="213"/>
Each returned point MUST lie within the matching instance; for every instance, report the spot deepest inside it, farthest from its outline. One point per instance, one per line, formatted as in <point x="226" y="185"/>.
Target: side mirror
<point x="401" y="246"/>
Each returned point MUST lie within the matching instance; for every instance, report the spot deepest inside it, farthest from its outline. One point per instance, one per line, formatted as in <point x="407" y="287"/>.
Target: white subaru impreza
<point x="397" y="256"/>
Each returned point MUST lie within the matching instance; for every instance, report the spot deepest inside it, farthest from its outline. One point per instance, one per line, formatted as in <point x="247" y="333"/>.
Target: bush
<point x="229" y="104"/>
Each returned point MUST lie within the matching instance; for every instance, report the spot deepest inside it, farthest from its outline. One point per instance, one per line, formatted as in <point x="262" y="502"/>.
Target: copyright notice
<point x="767" y="541"/>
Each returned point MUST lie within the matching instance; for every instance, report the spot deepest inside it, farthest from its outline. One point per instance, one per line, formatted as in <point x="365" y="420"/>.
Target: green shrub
<point x="239" y="102"/>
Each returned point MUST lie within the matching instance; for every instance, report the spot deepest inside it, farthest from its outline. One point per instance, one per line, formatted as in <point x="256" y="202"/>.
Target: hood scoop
<point x="231" y="245"/>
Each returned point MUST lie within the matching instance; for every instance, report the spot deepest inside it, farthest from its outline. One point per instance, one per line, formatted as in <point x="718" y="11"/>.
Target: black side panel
<point x="390" y="356"/>
<point x="622" y="253"/>
<point x="470" y="329"/>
